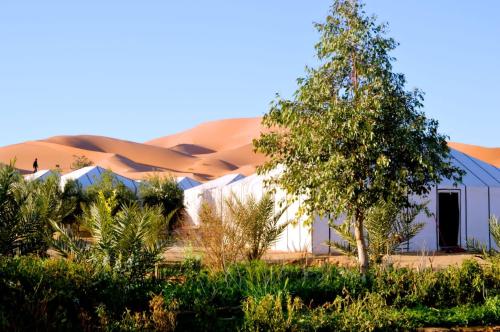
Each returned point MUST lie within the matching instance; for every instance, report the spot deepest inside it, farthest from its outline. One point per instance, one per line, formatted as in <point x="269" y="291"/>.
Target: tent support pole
<point x="489" y="217"/>
<point x="466" y="235"/>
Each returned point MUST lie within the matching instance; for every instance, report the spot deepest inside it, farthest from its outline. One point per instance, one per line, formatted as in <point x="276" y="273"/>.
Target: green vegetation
<point x="108" y="185"/>
<point x="56" y="294"/>
<point x="80" y="162"/>
<point x="353" y="136"/>
<point x="26" y="209"/>
<point x="387" y="227"/>
<point x="163" y="191"/>
<point x="495" y="230"/>
<point x="129" y="242"/>
<point x="245" y="228"/>
<point x="353" y="141"/>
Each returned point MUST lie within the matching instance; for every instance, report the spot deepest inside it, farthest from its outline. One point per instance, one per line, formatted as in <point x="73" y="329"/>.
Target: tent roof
<point x="479" y="173"/>
<point x="220" y="182"/>
<point x="40" y="175"/>
<point x="185" y="182"/>
<point x="87" y="176"/>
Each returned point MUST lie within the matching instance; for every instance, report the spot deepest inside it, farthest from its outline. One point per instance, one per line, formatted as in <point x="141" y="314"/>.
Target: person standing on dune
<point x="35" y="165"/>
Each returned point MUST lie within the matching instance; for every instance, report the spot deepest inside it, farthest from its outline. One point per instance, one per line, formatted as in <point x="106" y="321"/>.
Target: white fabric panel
<point x="40" y="175"/>
<point x="473" y="195"/>
<point x="89" y="175"/>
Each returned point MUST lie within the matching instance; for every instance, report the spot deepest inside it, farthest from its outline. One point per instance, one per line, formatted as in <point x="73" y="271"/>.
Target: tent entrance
<point x="448" y="219"/>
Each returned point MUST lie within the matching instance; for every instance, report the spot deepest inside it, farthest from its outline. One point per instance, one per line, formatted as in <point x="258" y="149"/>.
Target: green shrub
<point x="272" y="312"/>
<point x="56" y="294"/>
<point x="129" y="242"/>
<point x="257" y="221"/>
<point x="164" y="192"/>
<point x="455" y="285"/>
<point x="109" y="185"/>
<point x="26" y="208"/>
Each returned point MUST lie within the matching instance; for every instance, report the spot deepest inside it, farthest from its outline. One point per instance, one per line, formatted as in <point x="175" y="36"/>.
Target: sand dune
<point x="215" y="135"/>
<point x="204" y="152"/>
<point x="489" y="155"/>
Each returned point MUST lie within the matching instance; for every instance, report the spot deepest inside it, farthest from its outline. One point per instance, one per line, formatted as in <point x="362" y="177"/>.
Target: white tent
<point x="40" y="175"/>
<point x="459" y="213"/>
<point x="89" y="175"/>
<point x="194" y="197"/>
<point x="186" y="183"/>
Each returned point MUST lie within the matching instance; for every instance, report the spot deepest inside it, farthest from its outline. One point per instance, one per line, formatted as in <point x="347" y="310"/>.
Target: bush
<point x="257" y="221"/>
<point x="222" y="240"/>
<point x="164" y="192"/>
<point x="129" y="242"/>
<point x="272" y="313"/>
<point x="455" y="285"/>
<point x="241" y="229"/>
<point x="56" y="294"/>
<point x="80" y="162"/>
<point x="109" y="186"/>
<point x="26" y="207"/>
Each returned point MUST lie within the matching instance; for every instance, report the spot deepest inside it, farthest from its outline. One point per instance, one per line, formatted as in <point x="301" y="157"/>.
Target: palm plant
<point x="387" y="227"/>
<point x="129" y="242"/>
<point x="495" y="229"/>
<point x="258" y="221"/>
<point x="26" y="211"/>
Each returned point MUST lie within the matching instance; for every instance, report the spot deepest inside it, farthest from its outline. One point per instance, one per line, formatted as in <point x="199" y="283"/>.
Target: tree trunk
<point x="360" y="243"/>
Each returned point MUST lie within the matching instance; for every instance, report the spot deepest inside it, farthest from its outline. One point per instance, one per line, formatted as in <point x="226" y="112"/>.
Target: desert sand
<point x="489" y="155"/>
<point x="204" y="152"/>
<point x="207" y="151"/>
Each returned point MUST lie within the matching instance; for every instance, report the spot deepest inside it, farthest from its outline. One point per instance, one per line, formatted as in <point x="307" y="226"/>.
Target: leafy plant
<point x="109" y="185"/>
<point x="387" y="227"/>
<point x="353" y="134"/>
<point x="221" y="239"/>
<point x="164" y="192"/>
<point x="129" y="242"/>
<point x="80" y="162"/>
<point x="26" y="210"/>
<point x="258" y="221"/>
<point x="495" y="230"/>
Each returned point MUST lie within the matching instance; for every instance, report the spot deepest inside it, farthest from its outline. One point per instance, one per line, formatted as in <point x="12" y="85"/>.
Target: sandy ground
<point x="412" y="260"/>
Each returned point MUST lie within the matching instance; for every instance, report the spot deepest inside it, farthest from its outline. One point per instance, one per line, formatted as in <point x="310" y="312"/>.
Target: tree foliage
<point x="129" y="242"/>
<point x="164" y="192"/>
<point x="26" y="210"/>
<point x="109" y="186"/>
<point x="353" y="135"/>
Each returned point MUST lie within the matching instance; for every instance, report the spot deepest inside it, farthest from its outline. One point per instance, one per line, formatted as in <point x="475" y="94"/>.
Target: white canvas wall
<point x="475" y="209"/>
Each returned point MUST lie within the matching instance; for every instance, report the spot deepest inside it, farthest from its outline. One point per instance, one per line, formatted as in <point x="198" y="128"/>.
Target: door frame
<point x="443" y="191"/>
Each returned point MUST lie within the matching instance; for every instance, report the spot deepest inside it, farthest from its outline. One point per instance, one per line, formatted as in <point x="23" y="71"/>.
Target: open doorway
<point x="448" y="219"/>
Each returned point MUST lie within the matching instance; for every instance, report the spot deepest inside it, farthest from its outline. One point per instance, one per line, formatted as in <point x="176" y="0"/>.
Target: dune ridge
<point x="207" y="151"/>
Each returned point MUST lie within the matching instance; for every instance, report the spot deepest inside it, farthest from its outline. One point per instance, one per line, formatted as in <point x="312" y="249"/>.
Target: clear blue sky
<point x="142" y="69"/>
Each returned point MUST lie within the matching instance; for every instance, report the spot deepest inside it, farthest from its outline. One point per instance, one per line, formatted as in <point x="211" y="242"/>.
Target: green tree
<point x="164" y="192"/>
<point x="353" y="135"/>
<point x="26" y="210"/>
<point x="108" y="185"/>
